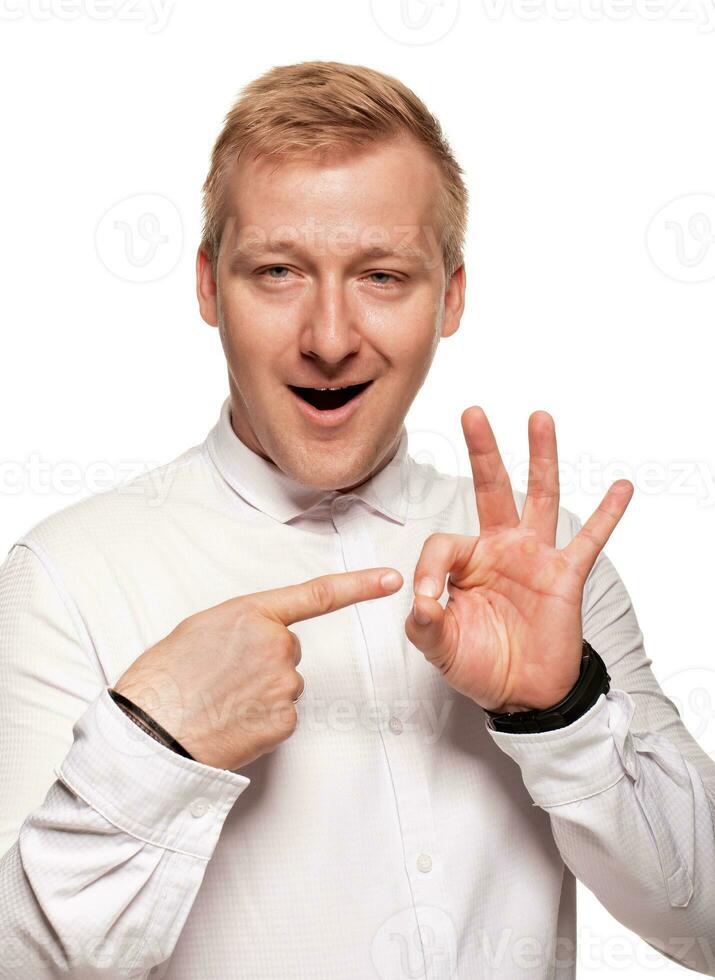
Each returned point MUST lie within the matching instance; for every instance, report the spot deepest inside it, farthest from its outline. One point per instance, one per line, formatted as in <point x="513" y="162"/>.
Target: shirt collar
<point x="268" y="488"/>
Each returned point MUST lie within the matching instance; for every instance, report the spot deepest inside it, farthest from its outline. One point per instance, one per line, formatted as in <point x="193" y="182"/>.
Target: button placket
<point x="359" y="538"/>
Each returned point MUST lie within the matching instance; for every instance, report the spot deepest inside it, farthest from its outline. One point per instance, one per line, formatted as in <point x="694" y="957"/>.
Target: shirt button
<point x="199" y="807"/>
<point x="424" y="863"/>
<point x="395" y="725"/>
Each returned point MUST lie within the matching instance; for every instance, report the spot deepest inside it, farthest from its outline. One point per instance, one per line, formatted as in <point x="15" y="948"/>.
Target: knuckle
<point x="187" y="624"/>
<point x="278" y="683"/>
<point x="286" y="645"/>
<point x="436" y="543"/>
<point x="282" y="687"/>
<point x="296" y="648"/>
<point x="191" y="624"/>
<point x="246" y="634"/>
<point x="284" y="720"/>
<point x="287" y="691"/>
<point x="247" y="614"/>
<point x="322" y="592"/>
<point x="291" y="720"/>
<point x="434" y="546"/>
<point x="242" y="615"/>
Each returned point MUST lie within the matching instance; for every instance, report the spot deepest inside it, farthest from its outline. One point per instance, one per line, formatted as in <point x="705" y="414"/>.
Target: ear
<point x="206" y="289"/>
<point x="454" y="301"/>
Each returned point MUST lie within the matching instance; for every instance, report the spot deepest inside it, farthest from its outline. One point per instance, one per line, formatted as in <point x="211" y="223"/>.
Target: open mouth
<point x="325" y="399"/>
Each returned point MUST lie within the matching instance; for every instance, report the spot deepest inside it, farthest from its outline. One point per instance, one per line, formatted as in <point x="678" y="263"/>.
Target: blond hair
<point x="321" y="105"/>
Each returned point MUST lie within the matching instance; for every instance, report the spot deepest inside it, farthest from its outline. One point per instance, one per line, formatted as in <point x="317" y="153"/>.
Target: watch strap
<point x="148" y="724"/>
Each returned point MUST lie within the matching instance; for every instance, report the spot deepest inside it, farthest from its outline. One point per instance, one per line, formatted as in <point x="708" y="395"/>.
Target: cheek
<point x="246" y="334"/>
<point x="408" y="339"/>
<point x="418" y="311"/>
<point x="246" y="360"/>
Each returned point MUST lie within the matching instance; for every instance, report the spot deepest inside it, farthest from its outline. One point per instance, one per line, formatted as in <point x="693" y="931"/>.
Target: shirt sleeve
<point x="105" y="832"/>
<point x="629" y="792"/>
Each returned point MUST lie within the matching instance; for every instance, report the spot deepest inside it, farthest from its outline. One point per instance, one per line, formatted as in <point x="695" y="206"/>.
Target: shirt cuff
<point x="145" y="788"/>
<point x="576" y="761"/>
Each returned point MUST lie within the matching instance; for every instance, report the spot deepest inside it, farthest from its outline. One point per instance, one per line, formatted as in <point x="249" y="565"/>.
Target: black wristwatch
<point x="593" y="681"/>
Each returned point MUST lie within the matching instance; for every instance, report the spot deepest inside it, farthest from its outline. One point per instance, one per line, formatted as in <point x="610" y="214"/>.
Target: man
<point x="407" y="803"/>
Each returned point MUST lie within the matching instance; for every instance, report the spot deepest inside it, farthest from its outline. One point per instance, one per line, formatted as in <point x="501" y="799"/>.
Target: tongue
<point x="325" y="400"/>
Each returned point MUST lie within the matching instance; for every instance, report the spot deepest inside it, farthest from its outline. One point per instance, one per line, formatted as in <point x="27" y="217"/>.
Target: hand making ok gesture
<point x="510" y="636"/>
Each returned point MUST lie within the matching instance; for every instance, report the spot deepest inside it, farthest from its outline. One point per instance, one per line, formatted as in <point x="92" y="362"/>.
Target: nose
<point x="330" y="332"/>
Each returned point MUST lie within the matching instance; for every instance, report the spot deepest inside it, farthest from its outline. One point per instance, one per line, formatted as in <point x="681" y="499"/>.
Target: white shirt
<point x="393" y="835"/>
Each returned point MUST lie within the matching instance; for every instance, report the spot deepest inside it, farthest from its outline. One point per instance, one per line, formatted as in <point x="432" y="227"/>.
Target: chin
<point x="325" y="470"/>
<point x="329" y="478"/>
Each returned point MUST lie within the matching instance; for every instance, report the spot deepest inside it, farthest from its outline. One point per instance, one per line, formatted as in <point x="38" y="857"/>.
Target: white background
<point x="576" y="121"/>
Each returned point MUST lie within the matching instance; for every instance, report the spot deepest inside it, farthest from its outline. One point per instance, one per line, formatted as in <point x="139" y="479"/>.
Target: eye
<point x="389" y="276"/>
<point x="273" y="268"/>
<point x="282" y="270"/>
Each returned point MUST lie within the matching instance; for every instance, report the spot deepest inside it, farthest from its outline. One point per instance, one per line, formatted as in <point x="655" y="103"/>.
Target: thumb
<point x="428" y="635"/>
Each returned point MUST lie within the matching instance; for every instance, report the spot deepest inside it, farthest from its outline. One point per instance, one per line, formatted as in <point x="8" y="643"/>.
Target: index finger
<point x="325" y="593"/>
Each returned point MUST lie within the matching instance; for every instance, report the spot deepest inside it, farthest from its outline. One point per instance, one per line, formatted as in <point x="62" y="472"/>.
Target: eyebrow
<point x="253" y="248"/>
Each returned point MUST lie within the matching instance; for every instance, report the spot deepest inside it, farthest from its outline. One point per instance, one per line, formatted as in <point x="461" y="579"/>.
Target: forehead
<point x="380" y="194"/>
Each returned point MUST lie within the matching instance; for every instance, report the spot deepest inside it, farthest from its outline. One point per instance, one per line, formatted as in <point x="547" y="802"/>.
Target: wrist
<point x="148" y="724"/>
<point x="139" y="723"/>
<point x="593" y="680"/>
